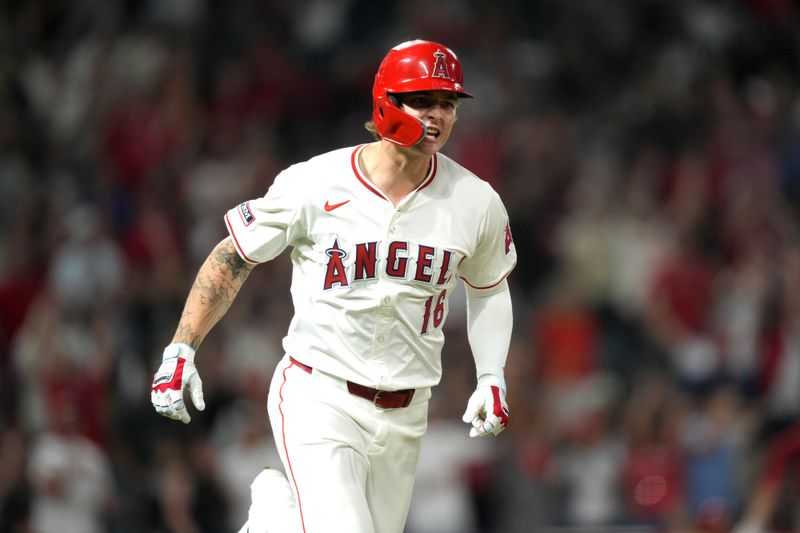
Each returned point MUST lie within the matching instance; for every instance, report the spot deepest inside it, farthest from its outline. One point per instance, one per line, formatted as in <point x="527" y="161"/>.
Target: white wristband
<point x="493" y="379"/>
<point x="178" y="349"/>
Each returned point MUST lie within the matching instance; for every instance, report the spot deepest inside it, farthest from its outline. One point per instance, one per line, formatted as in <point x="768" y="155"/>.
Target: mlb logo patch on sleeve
<point x="246" y="214"/>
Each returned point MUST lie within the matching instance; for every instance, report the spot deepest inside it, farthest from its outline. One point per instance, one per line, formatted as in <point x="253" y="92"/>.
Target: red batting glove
<point x="176" y="373"/>
<point x="487" y="410"/>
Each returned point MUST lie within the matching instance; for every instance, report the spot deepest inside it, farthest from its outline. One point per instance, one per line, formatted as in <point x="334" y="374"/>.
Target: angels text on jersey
<point x="401" y="260"/>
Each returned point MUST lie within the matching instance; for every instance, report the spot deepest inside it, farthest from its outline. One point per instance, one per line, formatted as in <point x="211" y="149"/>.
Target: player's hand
<point x="487" y="410"/>
<point x="176" y="373"/>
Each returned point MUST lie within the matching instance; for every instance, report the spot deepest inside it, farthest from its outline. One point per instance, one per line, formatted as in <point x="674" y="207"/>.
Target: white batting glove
<point x="487" y="410"/>
<point x="176" y="373"/>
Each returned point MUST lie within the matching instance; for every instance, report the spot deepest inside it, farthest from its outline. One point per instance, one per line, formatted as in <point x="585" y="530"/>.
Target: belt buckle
<point x="377" y="398"/>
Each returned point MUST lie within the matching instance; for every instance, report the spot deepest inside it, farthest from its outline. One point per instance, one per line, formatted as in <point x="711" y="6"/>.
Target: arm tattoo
<point x="215" y="287"/>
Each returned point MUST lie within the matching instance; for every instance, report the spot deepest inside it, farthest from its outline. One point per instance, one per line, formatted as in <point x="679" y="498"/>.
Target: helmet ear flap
<point x="394" y="124"/>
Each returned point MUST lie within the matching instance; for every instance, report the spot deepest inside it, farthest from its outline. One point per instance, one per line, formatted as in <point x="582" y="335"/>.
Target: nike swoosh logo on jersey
<point x="330" y="207"/>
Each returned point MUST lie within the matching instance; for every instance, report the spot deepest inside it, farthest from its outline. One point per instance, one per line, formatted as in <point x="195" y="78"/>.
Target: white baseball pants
<point x="350" y="464"/>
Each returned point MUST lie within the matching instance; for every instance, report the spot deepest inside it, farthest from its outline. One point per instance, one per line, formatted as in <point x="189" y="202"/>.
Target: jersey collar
<point x="369" y="185"/>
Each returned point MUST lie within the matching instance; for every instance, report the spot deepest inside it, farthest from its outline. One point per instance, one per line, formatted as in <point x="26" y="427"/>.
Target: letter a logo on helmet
<point x="409" y="67"/>
<point x="440" y="66"/>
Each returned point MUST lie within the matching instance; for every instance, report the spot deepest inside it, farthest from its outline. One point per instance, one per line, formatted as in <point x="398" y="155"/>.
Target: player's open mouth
<point x="432" y="133"/>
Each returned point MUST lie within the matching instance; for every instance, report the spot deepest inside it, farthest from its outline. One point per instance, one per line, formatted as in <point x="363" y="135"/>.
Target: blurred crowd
<point x="648" y="152"/>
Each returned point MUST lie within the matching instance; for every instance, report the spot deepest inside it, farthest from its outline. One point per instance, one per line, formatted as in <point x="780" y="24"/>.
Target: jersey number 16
<point x="438" y="312"/>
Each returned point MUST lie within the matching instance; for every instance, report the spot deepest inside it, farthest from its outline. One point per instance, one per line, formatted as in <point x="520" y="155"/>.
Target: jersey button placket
<point x="392" y="226"/>
<point x="383" y="323"/>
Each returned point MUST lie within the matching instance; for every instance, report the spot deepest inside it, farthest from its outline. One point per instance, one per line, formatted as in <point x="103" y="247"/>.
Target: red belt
<point x="381" y="398"/>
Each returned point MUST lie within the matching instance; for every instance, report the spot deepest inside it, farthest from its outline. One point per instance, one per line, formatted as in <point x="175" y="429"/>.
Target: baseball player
<point x="379" y="234"/>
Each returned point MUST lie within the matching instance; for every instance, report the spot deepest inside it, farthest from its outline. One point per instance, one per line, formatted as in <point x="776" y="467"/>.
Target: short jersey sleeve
<point x="495" y="255"/>
<point x="262" y="228"/>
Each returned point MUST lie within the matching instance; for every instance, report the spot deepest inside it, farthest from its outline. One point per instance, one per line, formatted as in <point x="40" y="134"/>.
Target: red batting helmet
<point x="410" y="67"/>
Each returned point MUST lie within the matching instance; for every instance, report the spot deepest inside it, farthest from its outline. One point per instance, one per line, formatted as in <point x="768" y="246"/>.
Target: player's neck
<point x="395" y="170"/>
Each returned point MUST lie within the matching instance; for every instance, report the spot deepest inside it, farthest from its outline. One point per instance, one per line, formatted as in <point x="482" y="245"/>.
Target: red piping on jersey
<point x="434" y="166"/>
<point x="493" y="284"/>
<point x="368" y="185"/>
<point x="286" y="449"/>
<point x="236" y="241"/>
<point x="354" y="164"/>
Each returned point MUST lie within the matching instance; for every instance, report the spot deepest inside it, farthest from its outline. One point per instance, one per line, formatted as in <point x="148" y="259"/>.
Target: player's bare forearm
<point x="217" y="283"/>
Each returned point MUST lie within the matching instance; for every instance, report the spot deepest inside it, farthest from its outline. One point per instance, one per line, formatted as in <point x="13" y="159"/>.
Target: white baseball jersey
<point x="371" y="280"/>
